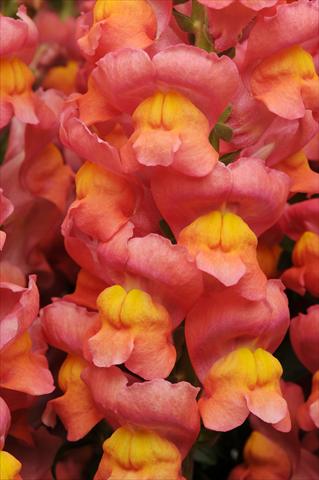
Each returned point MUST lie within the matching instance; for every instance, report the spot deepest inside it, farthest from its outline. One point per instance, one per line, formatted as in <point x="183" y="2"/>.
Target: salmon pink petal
<point x="289" y="441"/>
<point x="269" y="406"/>
<point x="287" y="83"/>
<point x="67" y="326"/>
<point x="303" y="178"/>
<point x="294" y="279"/>
<point x="223" y="320"/>
<point x="169" y="275"/>
<point x="75" y="407"/>
<point x="98" y="189"/>
<point x="285" y="78"/>
<point x="224" y="247"/>
<point x="131" y="24"/>
<point x="263" y="458"/>
<point x="111" y="347"/>
<point x="173" y="193"/>
<point x="19" y="308"/>
<point x="154" y="148"/>
<point x="260" y="203"/>
<point x="5" y="421"/>
<point x="175" y="402"/>
<point x="19" y="37"/>
<point x="255" y="5"/>
<point x="269" y="146"/>
<point x="24" y="370"/>
<point x="226" y="24"/>
<point x="203" y="79"/>
<point x="163" y="12"/>
<point x="173" y="415"/>
<point x="153" y="356"/>
<point x="304" y="274"/>
<point x="6" y="113"/>
<point x="135" y="330"/>
<point x="249" y="381"/>
<point x="6" y="208"/>
<point x="308" y="412"/>
<point x="87" y="289"/>
<point x="106" y="385"/>
<point x="76" y="135"/>
<point x="48" y="108"/>
<point x="301" y="217"/>
<point x="47" y="168"/>
<point x="19" y="101"/>
<point x="225" y="411"/>
<point x="300" y="26"/>
<point x="125" y="78"/>
<point x="249" y="119"/>
<point x="169" y="131"/>
<point x="312" y="148"/>
<point x="304" y="335"/>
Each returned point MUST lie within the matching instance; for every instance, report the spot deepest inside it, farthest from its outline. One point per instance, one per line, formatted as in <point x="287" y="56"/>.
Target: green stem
<point x="68" y="9"/>
<point x="9" y="8"/>
<point x="199" y="21"/>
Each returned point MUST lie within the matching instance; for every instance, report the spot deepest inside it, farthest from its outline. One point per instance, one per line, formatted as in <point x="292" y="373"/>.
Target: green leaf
<point x="225" y="115"/>
<point x="9" y="8"/>
<point x="229" y="157"/>
<point x="214" y="140"/>
<point x="223" y="131"/>
<point x="183" y="21"/>
<point x="4" y="138"/>
<point x="166" y="230"/>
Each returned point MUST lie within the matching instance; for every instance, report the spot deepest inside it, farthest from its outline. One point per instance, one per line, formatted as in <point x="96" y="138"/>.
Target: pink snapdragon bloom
<point x="67" y="327"/>
<point x="24" y="368"/>
<point x="140" y="309"/>
<point x="38" y="183"/>
<point x="265" y="458"/>
<point x="230" y="340"/>
<point x="281" y="73"/>
<point x="219" y="226"/>
<point x="155" y="436"/>
<point x="300" y="222"/>
<point x="169" y="112"/>
<point x="18" y="41"/>
<point x="228" y="18"/>
<point x="308" y="414"/>
<point x="23" y="365"/>
<point x="106" y="390"/>
<point x="111" y="25"/>
<point x="58" y="60"/>
<point x="259" y="203"/>
<point x="5" y="211"/>
<point x="262" y="138"/>
<point x="86" y="228"/>
<point x="278" y="455"/>
<point x="304" y="334"/>
<point x="75" y="407"/>
<point x="87" y="289"/>
<point x="36" y="454"/>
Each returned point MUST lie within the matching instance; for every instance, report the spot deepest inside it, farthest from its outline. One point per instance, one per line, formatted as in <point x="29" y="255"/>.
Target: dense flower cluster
<point x="159" y="192"/>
